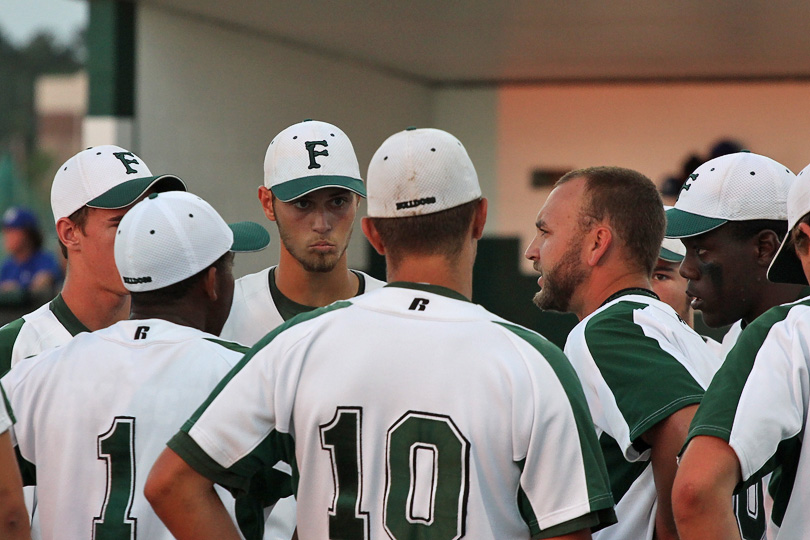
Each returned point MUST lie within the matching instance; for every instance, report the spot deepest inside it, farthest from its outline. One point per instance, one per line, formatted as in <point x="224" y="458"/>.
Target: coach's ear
<point x="598" y="242"/>
<point x="68" y="233"/>
<point x="373" y="236"/>
<point x="266" y="198"/>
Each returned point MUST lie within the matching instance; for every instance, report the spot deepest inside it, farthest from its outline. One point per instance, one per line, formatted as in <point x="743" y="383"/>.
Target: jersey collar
<point x="63" y="314"/>
<point x="427" y="287"/>
<point x="628" y="291"/>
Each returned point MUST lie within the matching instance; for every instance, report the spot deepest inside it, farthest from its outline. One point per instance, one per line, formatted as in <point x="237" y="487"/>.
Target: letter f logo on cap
<point x="312" y="153"/>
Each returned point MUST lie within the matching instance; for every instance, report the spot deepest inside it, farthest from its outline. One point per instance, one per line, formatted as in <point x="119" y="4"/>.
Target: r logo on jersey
<point x="419" y="304"/>
<point x="140" y="332"/>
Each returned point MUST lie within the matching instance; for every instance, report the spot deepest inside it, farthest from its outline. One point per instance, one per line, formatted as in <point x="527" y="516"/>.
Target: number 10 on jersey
<point x="426" y="480"/>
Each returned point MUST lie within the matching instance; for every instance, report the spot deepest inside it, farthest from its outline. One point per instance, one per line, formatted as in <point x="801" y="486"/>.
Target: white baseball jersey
<point x="254" y="312"/>
<point x="638" y="363"/>
<point x="6" y="417"/>
<point x="51" y="325"/>
<point x="730" y="338"/>
<point x="443" y="420"/>
<point x="758" y="403"/>
<point x="94" y="414"/>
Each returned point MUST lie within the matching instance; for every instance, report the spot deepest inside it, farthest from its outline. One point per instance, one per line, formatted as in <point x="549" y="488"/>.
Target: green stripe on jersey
<point x="649" y="384"/>
<point x="595" y="472"/>
<point x="8" y="336"/>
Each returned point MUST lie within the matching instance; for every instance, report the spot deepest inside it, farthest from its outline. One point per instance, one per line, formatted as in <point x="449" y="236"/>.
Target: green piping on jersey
<point x="623" y="474"/>
<point x="597" y="480"/>
<point x="230" y="345"/>
<point x="63" y="314"/>
<point x="648" y="383"/>
<point x="8" y="336"/>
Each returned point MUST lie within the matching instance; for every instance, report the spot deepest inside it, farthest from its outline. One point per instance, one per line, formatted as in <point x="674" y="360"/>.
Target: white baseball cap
<point x="786" y="266"/>
<point x="420" y="171"/>
<point x="105" y="177"/>
<point x="735" y="187"/>
<point x="308" y="156"/>
<point x="169" y="237"/>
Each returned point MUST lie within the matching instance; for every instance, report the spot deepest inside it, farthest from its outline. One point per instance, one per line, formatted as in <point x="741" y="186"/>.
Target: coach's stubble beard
<point x="561" y="281"/>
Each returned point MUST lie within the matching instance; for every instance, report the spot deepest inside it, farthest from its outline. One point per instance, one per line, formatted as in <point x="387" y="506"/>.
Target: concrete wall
<point x="210" y="98"/>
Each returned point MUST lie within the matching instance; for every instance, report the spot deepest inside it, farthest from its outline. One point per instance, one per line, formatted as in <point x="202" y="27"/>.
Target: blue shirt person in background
<point x="28" y="269"/>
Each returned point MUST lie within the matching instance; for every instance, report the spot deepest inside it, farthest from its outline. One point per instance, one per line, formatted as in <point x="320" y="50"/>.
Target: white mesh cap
<point x="786" y="266"/>
<point x="735" y="187"/>
<point x="104" y="177"/>
<point x="420" y="171"/>
<point x="169" y="237"/>
<point x="308" y="156"/>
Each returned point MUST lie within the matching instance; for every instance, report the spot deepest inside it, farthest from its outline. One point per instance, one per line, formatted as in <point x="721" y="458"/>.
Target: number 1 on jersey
<point x="117" y="448"/>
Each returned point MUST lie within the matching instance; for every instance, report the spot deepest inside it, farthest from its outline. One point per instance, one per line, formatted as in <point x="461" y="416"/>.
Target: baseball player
<point x="731" y="216"/>
<point x="311" y="190"/>
<point x="754" y="415"/>
<point x="90" y="194"/>
<point x="440" y="421"/>
<point x="94" y="414"/>
<point x="668" y="284"/>
<point x="643" y="369"/>
<point x="13" y="514"/>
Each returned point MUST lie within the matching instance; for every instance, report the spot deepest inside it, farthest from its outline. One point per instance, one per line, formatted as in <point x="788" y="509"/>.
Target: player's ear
<point x="597" y="242"/>
<point x="210" y="283"/>
<point x="68" y="233"/>
<point x="266" y="197"/>
<point x="373" y="235"/>
<point x="767" y="243"/>
<point x="480" y="218"/>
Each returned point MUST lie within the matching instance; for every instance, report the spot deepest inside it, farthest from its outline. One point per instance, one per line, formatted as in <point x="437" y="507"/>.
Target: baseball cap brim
<point x="298" y="187"/>
<point x="248" y="236"/>
<point x="669" y="256"/>
<point x="786" y="266"/>
<point x="682" y="224"/>
<point x="127" y="193"/>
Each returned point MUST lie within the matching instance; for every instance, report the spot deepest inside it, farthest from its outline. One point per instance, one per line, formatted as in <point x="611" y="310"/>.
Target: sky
<point x="20" y="20"/>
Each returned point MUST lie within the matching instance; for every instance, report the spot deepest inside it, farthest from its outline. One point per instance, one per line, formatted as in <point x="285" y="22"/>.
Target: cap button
<point x="153" y="195"/>
<point x="410" y="128"/>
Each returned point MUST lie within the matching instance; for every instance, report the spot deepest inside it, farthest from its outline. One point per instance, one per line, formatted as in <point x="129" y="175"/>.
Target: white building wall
<point x="210" y="98"/>
<point x="650" y="128"/>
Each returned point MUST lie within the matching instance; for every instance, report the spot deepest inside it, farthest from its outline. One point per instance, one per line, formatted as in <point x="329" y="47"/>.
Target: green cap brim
<point x="682" y="224"/>
<point x="669" y="256"/>
<point x="249" y="236"/>
<point x="786" y="267"/>
<point x="128" y="192"/>
<point x="292" y="189"/>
